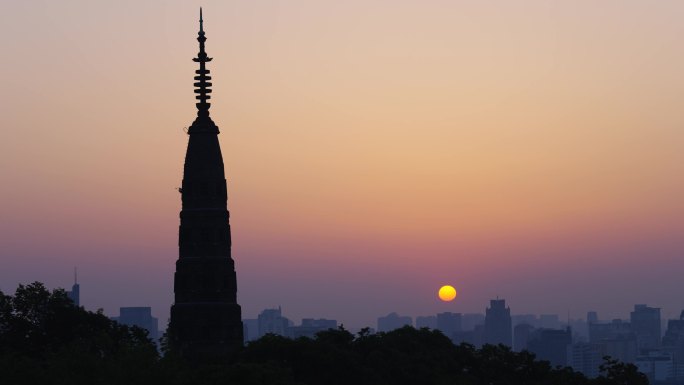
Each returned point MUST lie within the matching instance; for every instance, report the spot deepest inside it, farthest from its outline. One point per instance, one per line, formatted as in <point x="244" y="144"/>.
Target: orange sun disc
<point x="447" y="293"/>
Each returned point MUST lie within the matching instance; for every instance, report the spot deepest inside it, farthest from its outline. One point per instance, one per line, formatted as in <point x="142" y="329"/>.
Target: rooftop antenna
<point x="75" y="276"/>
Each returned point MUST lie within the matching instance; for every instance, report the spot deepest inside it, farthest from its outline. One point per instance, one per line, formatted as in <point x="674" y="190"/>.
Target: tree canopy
<point x="46" y="339"/>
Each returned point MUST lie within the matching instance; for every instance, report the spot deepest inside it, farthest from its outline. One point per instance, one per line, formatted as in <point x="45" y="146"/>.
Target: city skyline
<point x="373" y="153"/>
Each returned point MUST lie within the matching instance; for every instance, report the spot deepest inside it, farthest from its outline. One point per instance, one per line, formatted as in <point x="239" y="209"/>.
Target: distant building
<point x="449" y="323"/>
<point x="580" y="330"/>
<point x="470" y="320"/>
<point x="622" y="347"/>
<point x="250" y="329"/>
<point x="497" y="327"/>
<point x="271" y="321"/>
<point x="521" y="334"/>
<point x="608" y="330"/>
<point x="140" y="317"/>
<point x="426" y="322"/>
<point x="586" y="358"/>
<point x="617" y="339"/>
<point x="673" y="340"/>
<point x="658" y="366"/>
<point x="529" y="319"/>
<point x="75" y="293"/>
<point x="549" y="321"/>
<point x="646" y="325"/>
<point x="592" y="317"/>
<point x="310" y="327"/>
<point x="550" y="345"/>
<point x="474" y="337"/>
<point x="393" y="321"/>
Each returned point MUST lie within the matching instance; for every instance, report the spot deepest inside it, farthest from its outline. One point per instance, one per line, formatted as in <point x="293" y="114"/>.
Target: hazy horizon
<point x="374" y="151"/>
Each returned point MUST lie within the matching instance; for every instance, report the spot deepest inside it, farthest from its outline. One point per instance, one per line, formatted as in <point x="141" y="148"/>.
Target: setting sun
<point x="447" y="293"/>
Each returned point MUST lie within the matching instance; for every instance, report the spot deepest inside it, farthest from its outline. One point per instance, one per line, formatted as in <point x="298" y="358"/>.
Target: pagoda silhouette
<point x="205" y="317"/>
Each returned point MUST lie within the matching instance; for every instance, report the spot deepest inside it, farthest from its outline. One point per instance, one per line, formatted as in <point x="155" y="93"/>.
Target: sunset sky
<point x="374" y="151"/>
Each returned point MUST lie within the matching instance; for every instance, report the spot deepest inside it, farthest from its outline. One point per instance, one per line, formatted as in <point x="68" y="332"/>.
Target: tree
<point x="615" y="372"/>
<point x="45" y="338"/>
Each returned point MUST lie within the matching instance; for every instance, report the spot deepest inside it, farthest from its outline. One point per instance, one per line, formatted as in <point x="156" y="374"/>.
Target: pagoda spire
<point x="202" y="80"/>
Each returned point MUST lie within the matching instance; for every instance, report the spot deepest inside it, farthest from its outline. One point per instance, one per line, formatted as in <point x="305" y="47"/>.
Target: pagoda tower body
<point x="205" y="317"/>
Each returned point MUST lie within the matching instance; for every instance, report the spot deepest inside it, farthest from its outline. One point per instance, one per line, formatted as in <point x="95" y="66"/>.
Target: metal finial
<point x="202" y="80"/>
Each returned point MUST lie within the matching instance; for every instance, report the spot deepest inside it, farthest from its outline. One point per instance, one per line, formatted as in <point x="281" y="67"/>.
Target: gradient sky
<point x="374" y="151"/>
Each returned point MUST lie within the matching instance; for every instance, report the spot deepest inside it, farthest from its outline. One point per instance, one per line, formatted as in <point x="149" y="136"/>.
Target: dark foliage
<point x="45" y="339"/>
<point x="615" y="372"/>
<point x="404" y="356"/>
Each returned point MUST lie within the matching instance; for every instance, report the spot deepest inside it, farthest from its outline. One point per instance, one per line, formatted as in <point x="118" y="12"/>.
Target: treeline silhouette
<point x="46" y="339"/>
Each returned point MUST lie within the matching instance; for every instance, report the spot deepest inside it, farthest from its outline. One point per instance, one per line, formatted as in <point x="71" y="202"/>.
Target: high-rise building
<point x="470" y="320"/>
<point x="616" y="338"/>
<point x="310" y="327"/>
<point x="673" y="340"/>
<point x="449" y="323"/>
<point x="521" y="334"/>
<point x="205" y="317"/>
<point x="592" y="317"/>
<point x="393" y="321"/>
<point x="580" y="329"/>
<point x="429" y="321"/>
<point x="549" y="321"/>
<point x="498" y="324"/>
<point x="141" y="317"/>
<point x="529" y="319"/>
<point x="621" y="347"/>
<point x="75" y="293"/>
<point x="271" y="321"/>
<point x="659" y="367"/>
<point x="250" y="329"/>
<point x="586" y="358"/>
<point x="646" y="325"/>
<point x="600" y="331"/>
<point x="550" y="345"/>
<point x="473" y="337"/>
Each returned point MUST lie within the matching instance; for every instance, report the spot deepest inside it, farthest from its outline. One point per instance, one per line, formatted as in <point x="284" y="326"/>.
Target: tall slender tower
<point x="205" y="318"/>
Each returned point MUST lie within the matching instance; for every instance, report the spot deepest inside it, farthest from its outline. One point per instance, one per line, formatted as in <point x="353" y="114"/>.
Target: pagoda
<point x="205" y="317"/>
